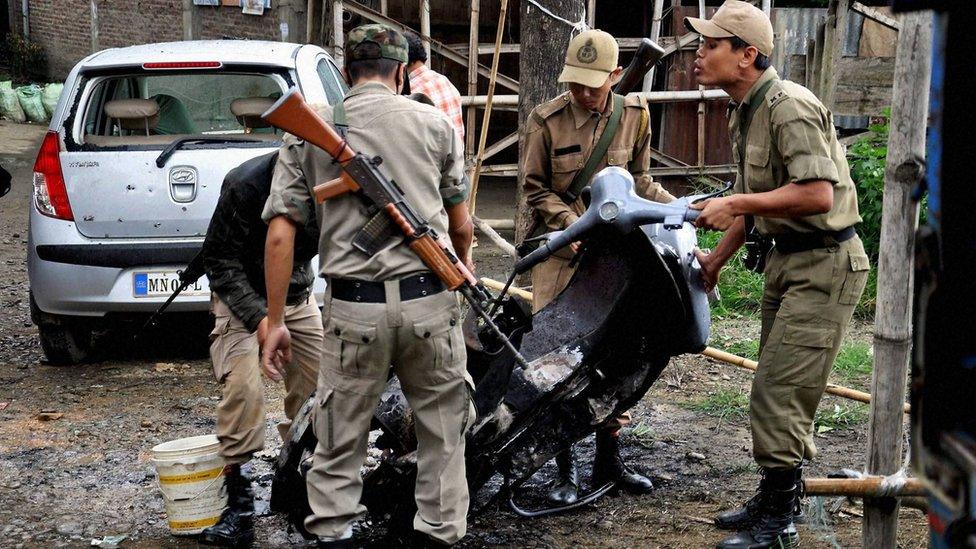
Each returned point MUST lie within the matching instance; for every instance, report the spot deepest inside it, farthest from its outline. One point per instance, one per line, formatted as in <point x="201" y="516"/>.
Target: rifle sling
<point x="596" y="155"/>
<point x="745" y="122"/>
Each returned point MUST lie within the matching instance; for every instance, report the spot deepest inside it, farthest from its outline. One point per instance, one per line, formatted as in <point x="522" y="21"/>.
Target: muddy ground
<point x="87" y="473"/>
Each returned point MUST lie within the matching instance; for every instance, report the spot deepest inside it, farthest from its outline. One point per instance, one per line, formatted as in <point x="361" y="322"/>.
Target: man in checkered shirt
<point x="434" y="85"/>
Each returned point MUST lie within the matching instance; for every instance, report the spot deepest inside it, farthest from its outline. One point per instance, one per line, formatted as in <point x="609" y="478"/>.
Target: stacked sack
<point x="29" y="103"/>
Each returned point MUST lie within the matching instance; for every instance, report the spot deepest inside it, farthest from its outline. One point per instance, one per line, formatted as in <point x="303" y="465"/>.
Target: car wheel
<point x="64" y="341"/>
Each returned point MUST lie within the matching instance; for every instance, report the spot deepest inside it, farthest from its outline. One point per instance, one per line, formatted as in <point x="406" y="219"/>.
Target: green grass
<point x="829" y="418"/>
<point x="747" y="348"/>
<point x="854" y="361"/>
<point x="740" y="290"/>
<point x="724" y="403"/>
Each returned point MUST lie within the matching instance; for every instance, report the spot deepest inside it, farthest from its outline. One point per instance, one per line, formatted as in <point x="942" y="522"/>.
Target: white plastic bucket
<point x="191" y="478"/>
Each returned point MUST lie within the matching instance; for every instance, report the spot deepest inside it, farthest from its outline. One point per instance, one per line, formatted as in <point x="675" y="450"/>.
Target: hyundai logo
<point x="183" y="183"/>
<point x="183" y="176"/>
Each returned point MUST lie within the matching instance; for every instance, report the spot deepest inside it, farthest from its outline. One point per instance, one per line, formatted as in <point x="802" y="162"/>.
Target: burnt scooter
<point x="635" y="301"/>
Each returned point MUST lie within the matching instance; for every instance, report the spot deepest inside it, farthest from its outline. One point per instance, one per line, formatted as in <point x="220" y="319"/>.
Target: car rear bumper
<point x="73" y="275"/>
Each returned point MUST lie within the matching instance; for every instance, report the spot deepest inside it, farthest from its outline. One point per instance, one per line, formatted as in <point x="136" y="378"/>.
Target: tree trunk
<point x="543" y="49"/>
<point x="892" y="328"/>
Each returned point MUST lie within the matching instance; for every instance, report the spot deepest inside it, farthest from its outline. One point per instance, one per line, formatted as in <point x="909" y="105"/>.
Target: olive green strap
<point x="596" y="155"/>
<point x="746" y="120"/>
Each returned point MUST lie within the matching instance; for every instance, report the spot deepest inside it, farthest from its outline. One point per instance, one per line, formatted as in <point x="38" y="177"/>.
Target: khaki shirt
<point x="558" y="140"/>
<point x="421" y="153"/>
<point x="792" y="139"/>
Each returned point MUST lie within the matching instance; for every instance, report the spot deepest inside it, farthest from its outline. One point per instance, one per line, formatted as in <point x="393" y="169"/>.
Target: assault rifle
<point x="361" y="176"/>
<point x="648" y="53"/>
<point x="188" y="276"/>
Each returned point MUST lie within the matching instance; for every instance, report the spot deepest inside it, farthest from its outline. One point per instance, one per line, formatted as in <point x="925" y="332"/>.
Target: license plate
<point x="164" y="283"/>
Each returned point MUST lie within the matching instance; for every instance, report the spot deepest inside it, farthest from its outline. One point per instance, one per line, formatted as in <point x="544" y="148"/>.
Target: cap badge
<point x="586" y="53"/>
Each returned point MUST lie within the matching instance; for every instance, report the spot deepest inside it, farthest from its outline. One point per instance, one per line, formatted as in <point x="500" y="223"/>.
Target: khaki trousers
<point x="422" y="340"/>
<point x="549" y="278"/>
<point x="808" y="301"/>
<point x="236" y="362"/>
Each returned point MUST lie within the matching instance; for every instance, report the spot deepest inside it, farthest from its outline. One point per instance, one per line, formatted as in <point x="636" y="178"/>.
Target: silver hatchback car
<point x="129" y="173"/>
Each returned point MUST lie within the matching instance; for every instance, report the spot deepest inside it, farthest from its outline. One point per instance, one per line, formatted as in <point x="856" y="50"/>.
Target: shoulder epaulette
<point x="776" y="94"/>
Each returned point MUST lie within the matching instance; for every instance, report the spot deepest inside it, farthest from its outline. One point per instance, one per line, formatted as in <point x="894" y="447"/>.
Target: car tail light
<point x="50" y="195"/>
<point x="182" y="65"/>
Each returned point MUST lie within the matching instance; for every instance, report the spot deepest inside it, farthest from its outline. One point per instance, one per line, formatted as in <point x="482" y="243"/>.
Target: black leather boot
<point x="743" y="517"/>
<point x="609" y="466"/>
<point x="565" y="490"/>
<point x="774" y="528"/>
<point x="236" y="525"/>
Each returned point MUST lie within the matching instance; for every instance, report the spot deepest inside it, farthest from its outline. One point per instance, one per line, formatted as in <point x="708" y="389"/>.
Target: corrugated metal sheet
<point x="794" y="27"/>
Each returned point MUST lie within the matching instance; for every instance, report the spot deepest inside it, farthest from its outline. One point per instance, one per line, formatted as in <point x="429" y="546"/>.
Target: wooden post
<point x="543" y="42"/>
<point x="893" y="316"/>
<point x="425" y="26"/>
<point x="324" y="18"/>
<point x="472" y="77"/>
<point x="655" y="35"/>
<point x="188" y="13"/>
<point x="835" y="34"/>
<point x="338" y="40"/>
<point x="701" y="106"/>
<point x="310" y="20"/>
<point x="591" y="14"/>
<point x="767" y="7"/>
<point x="476" y="171"/>
<point x="94" y="27"/>
<point x="383" y="7"/>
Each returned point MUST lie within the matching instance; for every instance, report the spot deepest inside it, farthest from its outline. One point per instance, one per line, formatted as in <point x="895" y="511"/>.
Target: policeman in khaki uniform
<point x="383" y="310"/>
<point x="560" y="138"/>
<point x="794" y="184"/>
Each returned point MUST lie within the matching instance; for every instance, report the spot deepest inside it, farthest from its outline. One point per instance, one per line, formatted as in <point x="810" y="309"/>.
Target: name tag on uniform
<point x="567" y="150"/>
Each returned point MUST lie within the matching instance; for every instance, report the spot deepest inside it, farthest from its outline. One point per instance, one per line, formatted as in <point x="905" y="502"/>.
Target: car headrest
<point x="134" y="114"/>
<point x="248" y="111"/>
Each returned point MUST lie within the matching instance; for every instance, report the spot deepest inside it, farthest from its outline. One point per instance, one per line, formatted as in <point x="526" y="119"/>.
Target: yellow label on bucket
<point x="191" y="477"/>
<point x="199" y="523"/>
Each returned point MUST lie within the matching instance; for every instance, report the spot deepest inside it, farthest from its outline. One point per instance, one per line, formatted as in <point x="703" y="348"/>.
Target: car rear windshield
<point x="156" y="109"/>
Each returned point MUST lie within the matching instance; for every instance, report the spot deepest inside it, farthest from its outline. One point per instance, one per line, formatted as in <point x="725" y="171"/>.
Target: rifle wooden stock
<point x="431" y="253"/>
<point x="338" y="186"/>
<point x="646" y="55"/>
<point x="292" y="114"/>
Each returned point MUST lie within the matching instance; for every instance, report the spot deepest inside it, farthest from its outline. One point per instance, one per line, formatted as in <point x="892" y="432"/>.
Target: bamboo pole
<point x="869" y="487"/>
<point x="591" y="13"/>
<point x="473" y="196"/>
<point x="487" y="230"/>
<point x="656" y="16"/>
<point x="472" y="77"/>
<point x="337" y="35"/>
<point x="498" y="286"/>
<point x="425" y="26"/>
<point x="752" y="365"/>
<point x="651" y="97"/>
<point x="310" y="20"/>
<point x="383" y="7"/>
<point x="767" y="7"/>
<point x="899" y="219"/>
<point x="701" y="105"/>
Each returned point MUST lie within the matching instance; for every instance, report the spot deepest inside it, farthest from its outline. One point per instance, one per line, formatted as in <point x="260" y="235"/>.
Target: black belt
<point x="365" y="291"/>
<point x="801" y="242"/>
